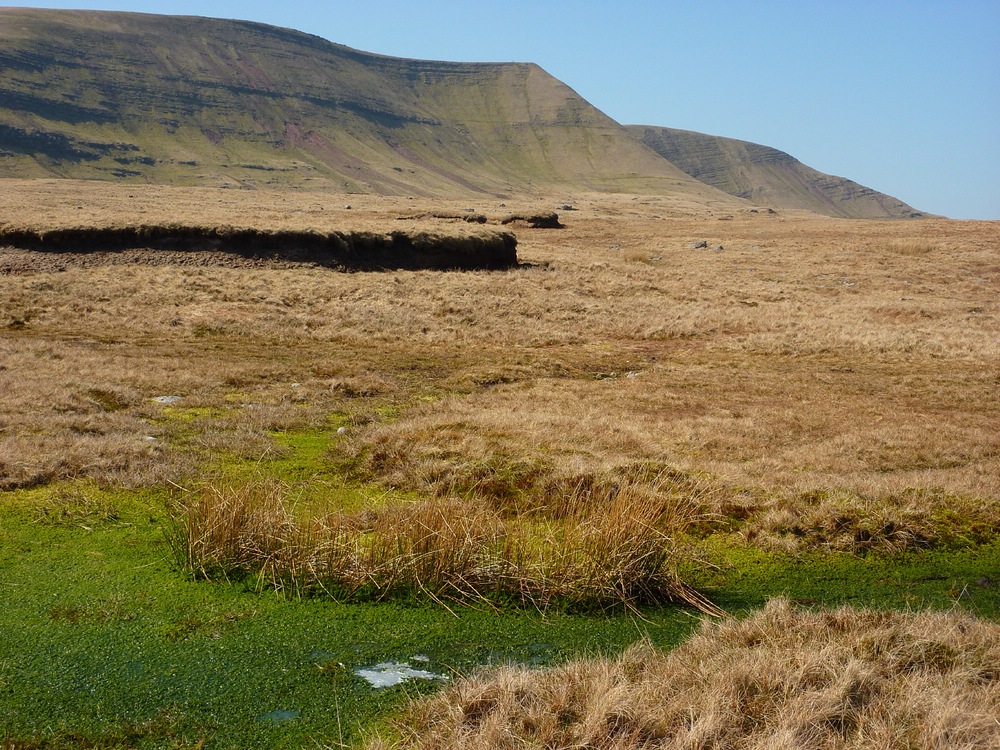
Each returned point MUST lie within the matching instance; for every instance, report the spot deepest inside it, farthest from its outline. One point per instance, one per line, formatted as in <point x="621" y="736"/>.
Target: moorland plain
<point x="798" y="391"/>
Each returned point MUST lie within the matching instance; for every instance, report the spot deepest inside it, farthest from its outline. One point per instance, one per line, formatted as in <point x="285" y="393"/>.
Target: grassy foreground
<point x="780" y="678"/>
<point x="106" y="644"/>
<point x="810" y="412"/>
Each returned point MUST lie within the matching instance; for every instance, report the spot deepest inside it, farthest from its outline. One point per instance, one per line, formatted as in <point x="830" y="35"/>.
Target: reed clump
<point x="618" y="547"/>
<point x="782" y="678"/>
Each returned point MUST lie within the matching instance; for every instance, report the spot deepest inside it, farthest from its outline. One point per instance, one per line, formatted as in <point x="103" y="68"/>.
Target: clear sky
<point x="900" y="95"/>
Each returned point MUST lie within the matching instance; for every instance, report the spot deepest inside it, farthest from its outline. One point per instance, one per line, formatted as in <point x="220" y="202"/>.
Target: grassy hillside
<point x="766" y="176"/>
<point x="197" y="101"/>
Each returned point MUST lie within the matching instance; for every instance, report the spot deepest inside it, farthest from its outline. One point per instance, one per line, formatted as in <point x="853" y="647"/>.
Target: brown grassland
<point x="781" y="679"/>
<point x="814" y="384"/>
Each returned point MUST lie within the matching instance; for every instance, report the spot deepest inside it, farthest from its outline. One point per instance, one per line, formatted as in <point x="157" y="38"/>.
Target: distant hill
<point x="198" y="101"/>
<point x="767" y="177"/>
<point x="201" y="101"/>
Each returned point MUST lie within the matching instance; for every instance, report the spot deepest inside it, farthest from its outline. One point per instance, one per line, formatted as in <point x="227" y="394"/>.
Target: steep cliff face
<point x="766" y="176"/>
<point x="199" y="101"/>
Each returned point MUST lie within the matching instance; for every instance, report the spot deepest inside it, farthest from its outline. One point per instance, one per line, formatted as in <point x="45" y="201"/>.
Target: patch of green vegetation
<point x="83" y="507"/>
<point x="104" y="643"/>
<point x="740" y="578"/>
<point x="302" y="463"/>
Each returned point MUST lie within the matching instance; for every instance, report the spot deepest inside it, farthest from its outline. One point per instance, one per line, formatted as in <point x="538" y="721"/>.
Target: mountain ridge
<point x="767" y="176"/>
<point x="188" y="100"/>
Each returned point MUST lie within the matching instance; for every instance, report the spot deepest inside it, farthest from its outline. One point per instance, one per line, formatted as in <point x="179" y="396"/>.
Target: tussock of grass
<point x="914" y="246"/>
<point x="848" y="522"/>
<point x="621" y="549"/>
<point x="475" y="447"/>
<point x="782" y="678"/>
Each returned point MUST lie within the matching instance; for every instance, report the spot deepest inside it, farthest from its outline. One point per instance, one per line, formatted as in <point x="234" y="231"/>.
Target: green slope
<point x="186" y="100"/>
<point x="767" y="177"/>
<point x="198" y="101"/>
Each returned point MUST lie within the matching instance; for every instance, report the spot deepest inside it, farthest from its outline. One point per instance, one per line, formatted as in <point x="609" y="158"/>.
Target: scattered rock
<point x="347" y="206"/>
<point x="567" y="207"/>
<point x="167" y="399"/>
<point x="716" y="249"/>
<point x="341" y="430"/>
<point x="699" y="244"/>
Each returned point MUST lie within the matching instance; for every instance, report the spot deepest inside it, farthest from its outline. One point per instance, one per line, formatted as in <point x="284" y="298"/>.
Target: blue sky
<point x="902" y="96"/>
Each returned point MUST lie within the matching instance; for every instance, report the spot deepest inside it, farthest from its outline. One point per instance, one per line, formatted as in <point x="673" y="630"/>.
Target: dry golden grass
<point x="49" y="204"/>
<point x="836" y="381"/>
<point x="606" y="547"/>
<point x="566" y="424"/>
<point x="782" y="678"/>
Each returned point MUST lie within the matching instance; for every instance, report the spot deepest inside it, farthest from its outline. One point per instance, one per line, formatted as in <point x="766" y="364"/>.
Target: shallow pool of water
<point x="389" y="673"/>
<point x="279" y="715"/>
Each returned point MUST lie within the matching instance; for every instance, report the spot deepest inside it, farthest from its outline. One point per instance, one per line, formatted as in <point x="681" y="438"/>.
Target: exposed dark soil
<point x="15" y="261"/>
<point x="540" y="220"/>
<point x="23" y="250"/>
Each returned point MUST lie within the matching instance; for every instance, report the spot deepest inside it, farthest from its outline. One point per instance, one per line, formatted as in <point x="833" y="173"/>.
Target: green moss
<point x="103" y="639"/>
<point x="302" y="462"/>
<point x="741" y="578"/>
<point x="105" y="643"/>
